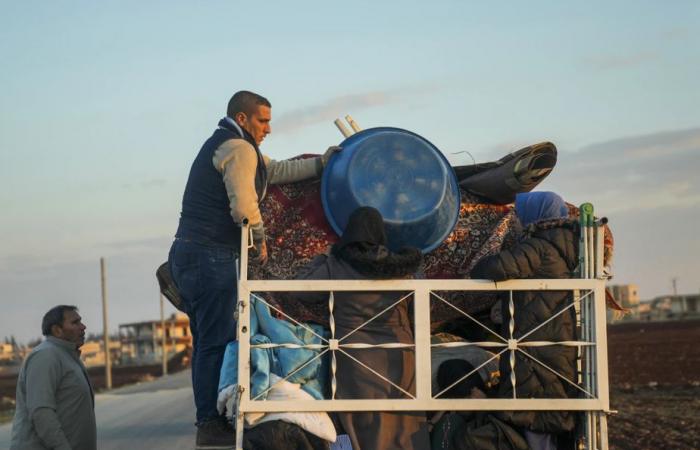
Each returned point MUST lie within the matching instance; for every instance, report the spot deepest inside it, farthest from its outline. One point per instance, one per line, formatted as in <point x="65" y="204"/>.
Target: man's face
<point x="256" y="123"/>
<point x="72" y="328"/>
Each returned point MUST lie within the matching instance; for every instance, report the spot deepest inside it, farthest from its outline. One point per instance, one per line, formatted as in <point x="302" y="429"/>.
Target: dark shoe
<point x="216" y="434"/>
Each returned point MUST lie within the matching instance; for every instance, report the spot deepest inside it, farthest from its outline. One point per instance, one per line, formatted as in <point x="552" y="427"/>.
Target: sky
<point x="103" y="106"/>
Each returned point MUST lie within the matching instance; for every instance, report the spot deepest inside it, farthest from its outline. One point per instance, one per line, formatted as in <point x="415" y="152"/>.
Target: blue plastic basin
<point x="402" y="175"/>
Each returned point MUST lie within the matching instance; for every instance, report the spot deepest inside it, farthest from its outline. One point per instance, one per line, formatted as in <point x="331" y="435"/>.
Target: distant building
<point x="644" y="310"/>
<point x="672" y="307"/>
<point x="627" y="295"/>
<point x="92" y="352"/>
<point x="141" y="342"/>
<point x="7" y="353"/>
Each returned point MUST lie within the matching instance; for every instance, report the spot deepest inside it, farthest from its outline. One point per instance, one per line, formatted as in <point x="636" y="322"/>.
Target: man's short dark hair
<point x="55" y="317"/>
<point x="246" y="102"/>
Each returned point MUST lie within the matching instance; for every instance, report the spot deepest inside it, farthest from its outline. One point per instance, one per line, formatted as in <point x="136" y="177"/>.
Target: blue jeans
<point x="206" y="279"/>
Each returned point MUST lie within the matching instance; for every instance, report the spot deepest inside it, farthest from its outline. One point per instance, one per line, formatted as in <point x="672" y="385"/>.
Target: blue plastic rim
<point x="401" y="174"/>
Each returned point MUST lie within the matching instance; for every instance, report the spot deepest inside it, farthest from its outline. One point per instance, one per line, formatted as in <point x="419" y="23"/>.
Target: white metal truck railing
<point x="589" y="303"/>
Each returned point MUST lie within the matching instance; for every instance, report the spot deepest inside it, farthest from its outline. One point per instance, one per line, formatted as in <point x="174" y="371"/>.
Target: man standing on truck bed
<point x="226" y="184"/>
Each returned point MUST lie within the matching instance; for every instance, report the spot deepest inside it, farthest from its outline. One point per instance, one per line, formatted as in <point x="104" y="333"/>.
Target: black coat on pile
<point x="361" y="254"/>
<point x="548" y="250"/>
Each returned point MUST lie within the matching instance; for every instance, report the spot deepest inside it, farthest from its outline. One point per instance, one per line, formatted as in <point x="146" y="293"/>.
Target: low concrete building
<point x="142" y="342"/>
<point x="673" y="307"/>
<point x="92" y="352"/>
<point x="7" y="353"/>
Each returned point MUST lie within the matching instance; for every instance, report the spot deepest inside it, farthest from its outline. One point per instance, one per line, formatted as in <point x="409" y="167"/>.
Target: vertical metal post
<point x="154" y="344"/>
<point x="579" y="323"/>
<point x="587" y="270"/>
<point x="421" y="317"/>
<point x="511" y="340"/>
<point x="163" y="342"/>
<point x="334" y="361"/>
<point x="242" y="331"/>
<point x="599" y="251"/>
<point x="105" y="327"/>
<point x="603" y="430"/>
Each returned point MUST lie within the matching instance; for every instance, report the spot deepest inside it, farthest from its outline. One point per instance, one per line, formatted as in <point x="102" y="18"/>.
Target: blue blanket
<point x="281" y="361"/>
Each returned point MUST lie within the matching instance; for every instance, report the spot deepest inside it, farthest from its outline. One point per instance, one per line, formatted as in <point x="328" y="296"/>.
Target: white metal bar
<point x="511" y="340"/>
<point x="242" y="322"/>
<point x="412" y="285"/>
<point x="462" y="404"/>
<point x="599" y="251"/>
<point x="240" y="425"/>
<point x="361" y="345"/>
<point x="594" y="430"/>
<point x="554" y="343"/>
<point x="490" y="344"/>
<point x="334" y="364"/>
<point x="421" y="314"/>
<point x="584" y="249"/>
<point x="603" y="430"/>
<point x="601" y="349"/>
<point x="485" y="344"/>
<point x="591" y="251"/>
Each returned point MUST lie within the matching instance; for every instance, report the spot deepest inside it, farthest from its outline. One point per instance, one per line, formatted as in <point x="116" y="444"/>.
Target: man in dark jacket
<point x="226" y="184"/>
<point x="548" y="249"/>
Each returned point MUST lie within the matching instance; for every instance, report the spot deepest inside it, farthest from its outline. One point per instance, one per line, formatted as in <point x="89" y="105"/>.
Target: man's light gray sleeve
<point x="43" y="372"/>
<point x="237" y="162"/>
<point x="291" y="170"/>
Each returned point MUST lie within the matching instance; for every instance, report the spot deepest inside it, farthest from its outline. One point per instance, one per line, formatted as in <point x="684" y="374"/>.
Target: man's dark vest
<point x="206" y="214"/>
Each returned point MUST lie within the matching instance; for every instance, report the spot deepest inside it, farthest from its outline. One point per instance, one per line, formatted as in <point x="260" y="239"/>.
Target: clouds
<point x="335" y="107"/>
<point x="648" y="186"/>
<point x="297" y="119"/>
<point x="638" y="173"/>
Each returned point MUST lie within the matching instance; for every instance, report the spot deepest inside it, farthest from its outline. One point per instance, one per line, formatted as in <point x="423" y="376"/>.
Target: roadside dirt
<point x="655" y="385"/>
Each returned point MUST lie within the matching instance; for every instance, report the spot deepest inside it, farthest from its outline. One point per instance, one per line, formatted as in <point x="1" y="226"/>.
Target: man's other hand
<point x="260" y="253"/>
<point x="327" y="156"/>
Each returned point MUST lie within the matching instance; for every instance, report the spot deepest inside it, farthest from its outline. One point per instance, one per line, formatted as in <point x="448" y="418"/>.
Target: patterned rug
<point x="297" y="231"/>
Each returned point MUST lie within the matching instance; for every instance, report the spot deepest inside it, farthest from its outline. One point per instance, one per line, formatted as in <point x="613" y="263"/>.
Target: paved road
<point x="156" y="415"/>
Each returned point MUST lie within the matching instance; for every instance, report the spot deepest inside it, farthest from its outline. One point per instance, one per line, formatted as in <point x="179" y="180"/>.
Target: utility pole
<point x="163" y="342"/>
<point x="674" y="281"/>
<point x="105" y="327"/>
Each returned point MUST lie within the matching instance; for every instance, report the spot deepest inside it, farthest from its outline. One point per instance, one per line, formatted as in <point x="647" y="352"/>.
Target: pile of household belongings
<point x="297" y="231"/>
